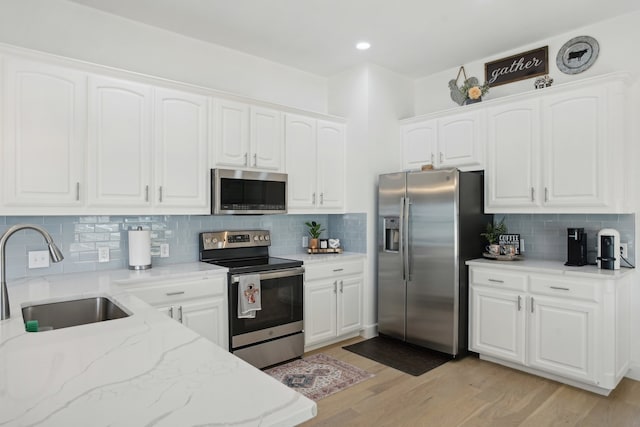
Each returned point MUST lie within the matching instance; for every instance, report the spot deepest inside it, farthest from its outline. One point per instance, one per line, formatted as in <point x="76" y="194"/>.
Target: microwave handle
<point x="277" y="274"/>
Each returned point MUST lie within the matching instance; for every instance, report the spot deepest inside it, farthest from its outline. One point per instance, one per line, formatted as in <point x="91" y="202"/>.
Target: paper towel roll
<point x="139" y="249"/>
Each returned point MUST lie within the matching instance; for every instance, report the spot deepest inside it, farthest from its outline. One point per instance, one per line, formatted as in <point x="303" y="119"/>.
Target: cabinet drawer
<point x="171" y="292"/>
<point x="322" y="271"/>
<point x="499" y="279"/>
<point x="545" y="285"/>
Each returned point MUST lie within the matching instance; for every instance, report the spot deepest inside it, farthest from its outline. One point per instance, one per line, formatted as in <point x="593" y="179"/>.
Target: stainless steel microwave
<point x="239" y="192"/>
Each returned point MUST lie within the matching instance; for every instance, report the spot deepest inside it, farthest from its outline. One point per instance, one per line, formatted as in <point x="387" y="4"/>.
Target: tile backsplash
<point x="79" y="237"/>
<point x="545" y="235"/>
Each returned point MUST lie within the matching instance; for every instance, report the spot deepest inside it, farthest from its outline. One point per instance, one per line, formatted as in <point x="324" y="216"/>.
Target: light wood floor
<point x="470" y="392"/>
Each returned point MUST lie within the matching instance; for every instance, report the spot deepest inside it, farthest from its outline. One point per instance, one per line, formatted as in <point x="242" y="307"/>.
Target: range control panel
<point x="235" y="239"/>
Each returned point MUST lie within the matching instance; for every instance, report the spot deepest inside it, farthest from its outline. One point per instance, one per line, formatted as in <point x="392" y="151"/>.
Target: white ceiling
<point x="412" y="37"/>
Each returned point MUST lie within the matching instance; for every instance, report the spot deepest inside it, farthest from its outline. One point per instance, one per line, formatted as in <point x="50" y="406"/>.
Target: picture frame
<point x="517" y="67"/>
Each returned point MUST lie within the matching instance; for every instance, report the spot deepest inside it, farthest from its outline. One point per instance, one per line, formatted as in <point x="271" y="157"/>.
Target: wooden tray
<point x="502" y="257"/>
<point x="324" y="250"/>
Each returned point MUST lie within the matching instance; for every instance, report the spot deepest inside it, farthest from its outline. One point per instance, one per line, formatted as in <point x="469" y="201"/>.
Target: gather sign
<point x="517" y="67"/>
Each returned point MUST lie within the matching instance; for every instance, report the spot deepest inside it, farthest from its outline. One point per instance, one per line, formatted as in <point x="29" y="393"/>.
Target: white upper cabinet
<point x="455" y="140"/>
<point x="560" y="152"/>
<point x="119" y="147"/>
<point x="247" y="137"/>
<point x="513" y="155"/>
<point x="331" y="164"/>
<point x="267" y="141"/>
<point x="181" y="141"/>
<point x="300" y="134"/>
<point x="315" y="155"/>
<point x="44" y="136"/>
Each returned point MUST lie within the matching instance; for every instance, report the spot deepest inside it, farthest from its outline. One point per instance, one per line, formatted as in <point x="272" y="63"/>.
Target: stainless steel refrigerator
<point x="429" y="224"/>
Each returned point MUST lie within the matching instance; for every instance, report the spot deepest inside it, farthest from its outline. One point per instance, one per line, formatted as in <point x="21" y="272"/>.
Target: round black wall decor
<point x="577" y="55"/>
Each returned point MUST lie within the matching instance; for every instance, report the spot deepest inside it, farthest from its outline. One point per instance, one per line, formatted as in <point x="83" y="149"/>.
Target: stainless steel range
<point x="276" y="333"/>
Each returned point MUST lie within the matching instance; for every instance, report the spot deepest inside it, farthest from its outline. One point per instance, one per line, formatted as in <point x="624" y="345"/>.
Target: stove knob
<point x="214" y="240"/>
<point x="261" y="237"/>
<point x="266" y="237"/>
<point x="255" y="237"/>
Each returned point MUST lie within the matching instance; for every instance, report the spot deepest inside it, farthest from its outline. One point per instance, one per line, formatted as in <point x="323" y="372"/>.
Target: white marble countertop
<point x="145" y="369"/>
<point x="317" y="258"/>
<point x="552" y="267"/>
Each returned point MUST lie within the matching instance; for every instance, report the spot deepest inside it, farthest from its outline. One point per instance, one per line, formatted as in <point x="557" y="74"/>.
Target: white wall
<point x="617" y="39"/>
<point x="373" y="99"/>
<point x="68" y="29"/>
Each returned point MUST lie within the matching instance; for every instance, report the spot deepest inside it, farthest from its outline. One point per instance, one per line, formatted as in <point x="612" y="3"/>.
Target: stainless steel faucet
<point x="54" y="252"/>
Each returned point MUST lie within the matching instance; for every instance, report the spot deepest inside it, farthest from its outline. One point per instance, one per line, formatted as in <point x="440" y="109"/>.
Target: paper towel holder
<point x="139" y="249"/>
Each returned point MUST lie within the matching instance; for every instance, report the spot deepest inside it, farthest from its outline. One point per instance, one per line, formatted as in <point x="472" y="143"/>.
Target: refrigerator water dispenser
<point x="392" y="234"/>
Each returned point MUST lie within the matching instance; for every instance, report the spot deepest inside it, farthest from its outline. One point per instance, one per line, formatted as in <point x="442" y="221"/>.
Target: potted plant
<point x="492" y="233"/>
<point x="315" y="229"/>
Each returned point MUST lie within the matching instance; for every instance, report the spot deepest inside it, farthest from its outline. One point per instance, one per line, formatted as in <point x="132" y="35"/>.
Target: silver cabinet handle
<point x="341" y="286"/>
<point x="441" y="157"/>
<point x="335" y="287"/>
<point x="160" y="194"/>
<point x="432" y="159"/>
<point x="532" y="304"/>
<point x="519" y="302"/>
<point x="495" y="280"/>
<point x="321" y="198"/>
<point x="313" y="196"/>
<point x="171" y="312"/>
<point x="170" y="294"/>
<point x="146" y="193"/>
<point x="338" y="269"/>
<point x="255" y="160"/>
<point x="77" y="191"/>
<point x="559" y="288"/>
<point x="180" y="314"/>
<point x="246" y="159"/>
<point x="533" y="197"/>
<point x="546" y="194"/>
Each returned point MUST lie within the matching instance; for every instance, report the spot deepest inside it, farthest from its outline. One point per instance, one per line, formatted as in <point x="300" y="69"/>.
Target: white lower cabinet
<point x="570" y="328"/>
<point x="200" y="304"/>
<point x="332" y="302"/>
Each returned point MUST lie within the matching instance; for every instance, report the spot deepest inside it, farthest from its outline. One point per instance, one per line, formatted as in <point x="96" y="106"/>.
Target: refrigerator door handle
<point x="402" y="251"/>
<point x="406" y="255"/>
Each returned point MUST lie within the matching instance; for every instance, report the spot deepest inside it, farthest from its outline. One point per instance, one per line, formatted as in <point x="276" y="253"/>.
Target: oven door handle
<point x="275" y="274"/>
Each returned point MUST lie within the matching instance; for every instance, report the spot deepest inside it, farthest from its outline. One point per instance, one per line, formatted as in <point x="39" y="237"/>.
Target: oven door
<point x="281" y="293"/>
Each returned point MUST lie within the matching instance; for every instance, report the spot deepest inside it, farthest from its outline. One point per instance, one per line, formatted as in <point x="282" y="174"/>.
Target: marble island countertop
<point x="145" y="369"/>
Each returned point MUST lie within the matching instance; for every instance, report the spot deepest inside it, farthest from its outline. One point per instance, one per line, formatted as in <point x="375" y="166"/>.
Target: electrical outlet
<point x="38" y="259"/>
<point x="164" y="250"/>
<point x="305" y="241"/>
<point x="103" y="254"/>
<point x="624" y="247"/>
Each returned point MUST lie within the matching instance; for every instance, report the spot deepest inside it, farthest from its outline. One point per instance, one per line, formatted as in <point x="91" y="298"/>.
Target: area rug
<point x="318" y="376"/>
<point x="399" y="355"/>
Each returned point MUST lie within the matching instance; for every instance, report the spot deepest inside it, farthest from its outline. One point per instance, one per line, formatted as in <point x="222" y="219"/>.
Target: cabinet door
<point x="562" y="337"/>
<point x="231" y="124"/>
<point x="331" y="166"/>
<point x="320" y="310"/>
<point x="181" y="142"/>
<point x="419" y="144"/>
<point x="300" y="143"/>
<point x="575" y="166"/>
<point x="119" y="160"/>
<point x="497" y="324"/>
<point x="208" y="318"/>
<point x="267" y="142"/>
<point x="349" y="305"/>
<point x="460" y="140"/>
<point x="512" y="160"/>
<point x="44" y="134"/>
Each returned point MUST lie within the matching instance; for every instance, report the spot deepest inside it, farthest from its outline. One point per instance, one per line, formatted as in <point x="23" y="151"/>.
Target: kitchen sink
<point x="64" y="314"/>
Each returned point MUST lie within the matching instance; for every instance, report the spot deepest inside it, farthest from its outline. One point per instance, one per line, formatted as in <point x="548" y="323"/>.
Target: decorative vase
<point x="472" y="101"/>
<point x="313" y="243"/>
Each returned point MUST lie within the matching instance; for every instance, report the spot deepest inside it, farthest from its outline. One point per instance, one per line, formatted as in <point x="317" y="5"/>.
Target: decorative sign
<point x="517" y="67"/>
<point x="509" y="244"/>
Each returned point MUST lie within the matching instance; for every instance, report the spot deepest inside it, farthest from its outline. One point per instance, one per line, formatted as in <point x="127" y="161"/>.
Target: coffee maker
<point x="608" y="249"/>
<point x="576" y="247"/>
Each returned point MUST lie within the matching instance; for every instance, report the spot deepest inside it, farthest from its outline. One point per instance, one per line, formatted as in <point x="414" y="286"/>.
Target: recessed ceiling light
<point x="363" y="45"/>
